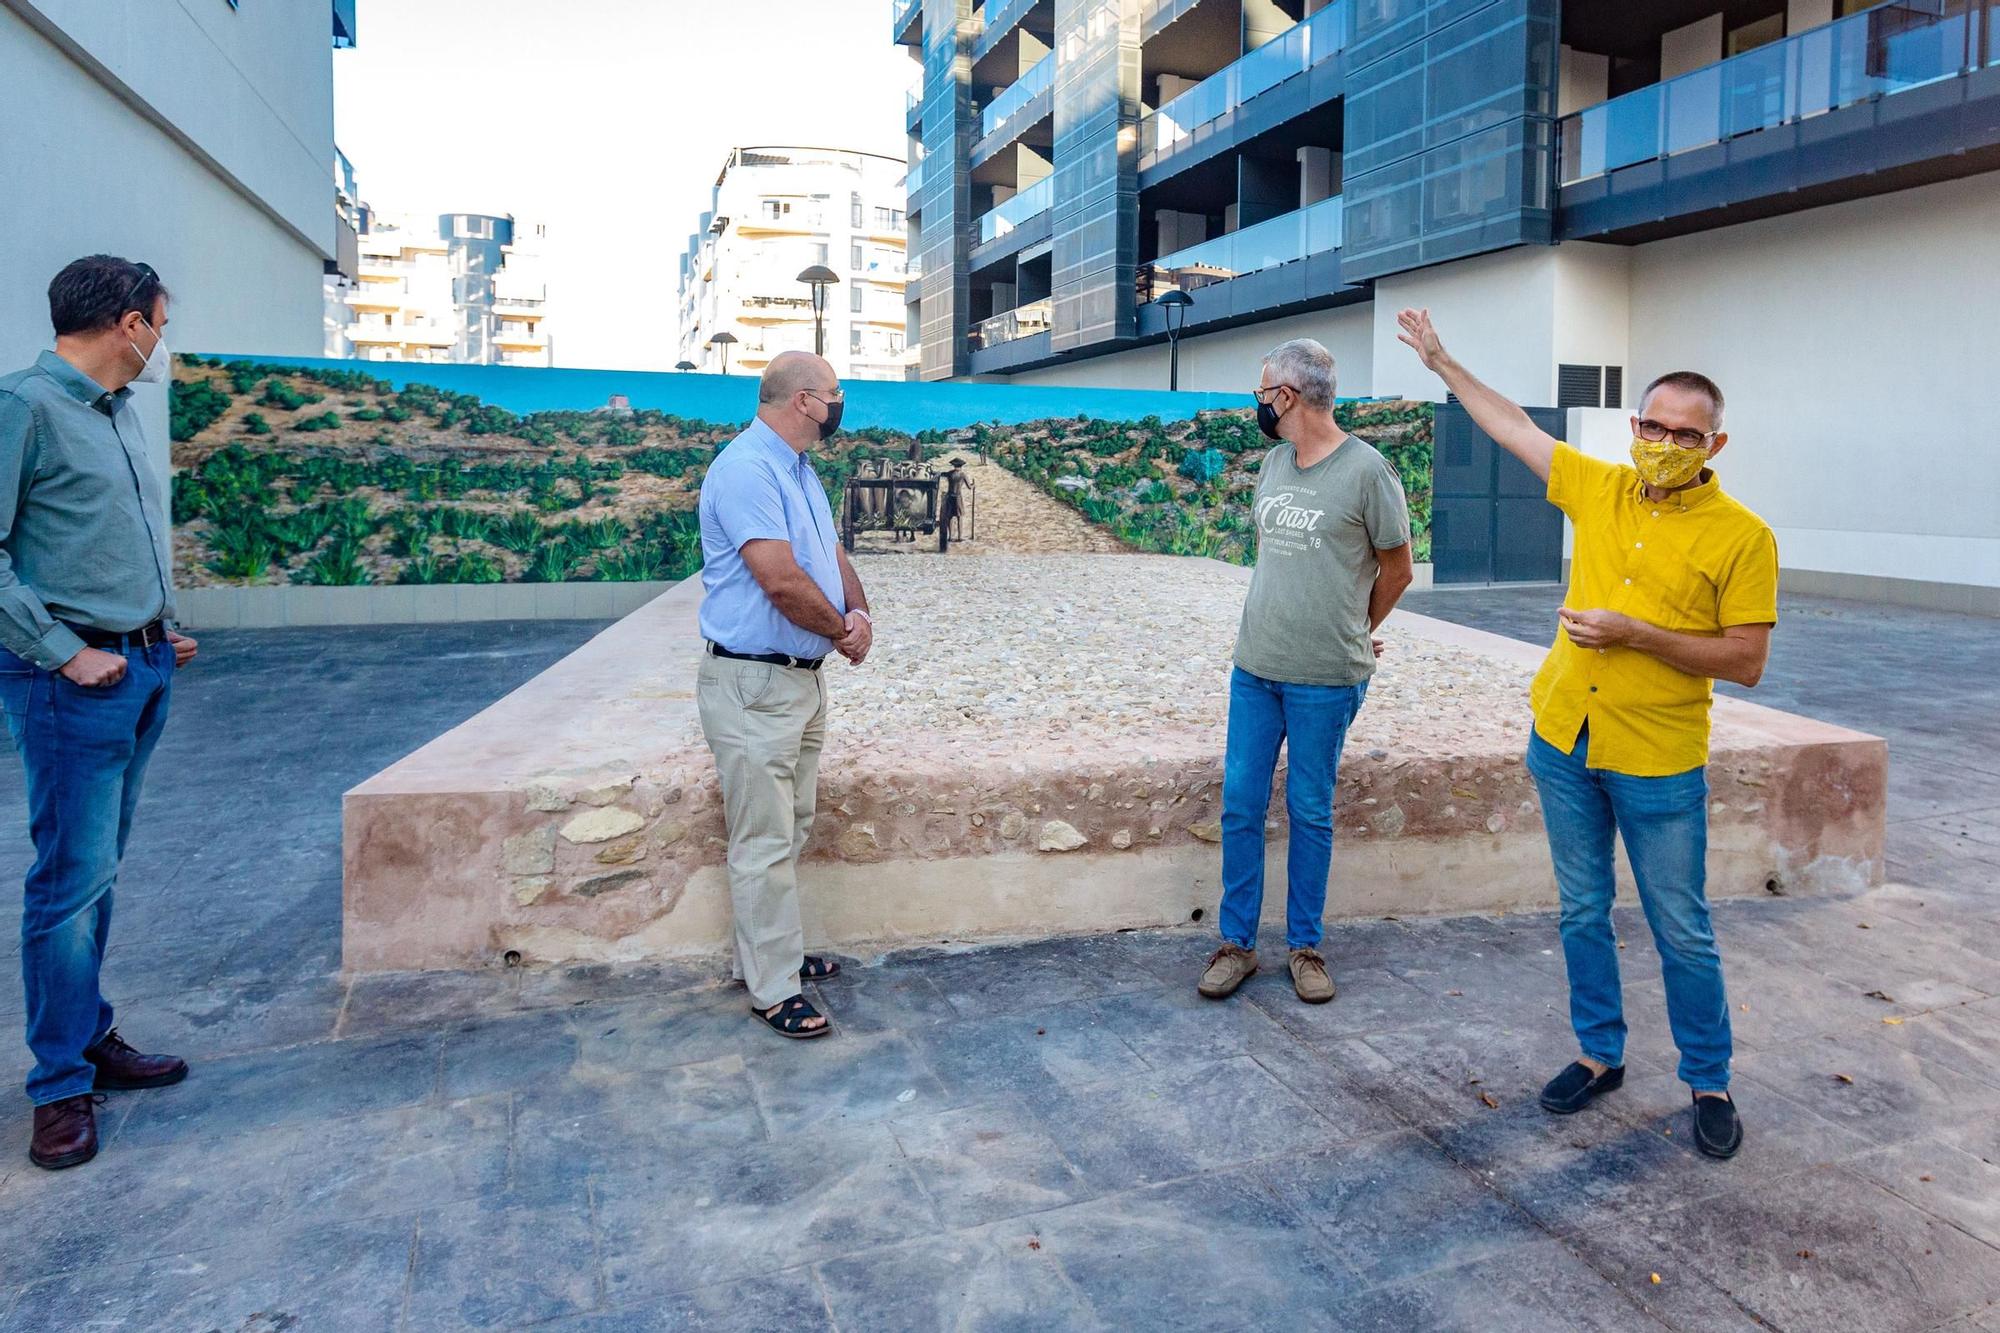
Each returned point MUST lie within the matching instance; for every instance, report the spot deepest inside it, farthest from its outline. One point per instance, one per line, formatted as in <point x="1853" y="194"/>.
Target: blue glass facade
<point x="1450" y="130"/>
<point x="1095" y="218"/>
<point x="940" y="198"/>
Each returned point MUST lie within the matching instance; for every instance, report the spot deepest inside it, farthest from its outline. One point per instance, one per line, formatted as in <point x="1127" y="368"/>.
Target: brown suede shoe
<point x="1309" y="976"/>
<point x="120" y="1068"/>
<point x="1228" y="968"/>
<point x="65" y="1132"/>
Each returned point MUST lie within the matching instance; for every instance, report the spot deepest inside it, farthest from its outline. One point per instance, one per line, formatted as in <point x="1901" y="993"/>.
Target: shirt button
<point x="1638" y="546"/>
<point x="1600" y="652"/>
<point x="1628" y="583"/>
<point x="1656" y="513"/>
<point x="1593" y="689"/>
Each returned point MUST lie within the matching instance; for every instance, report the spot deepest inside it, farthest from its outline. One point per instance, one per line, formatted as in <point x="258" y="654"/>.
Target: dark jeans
<point x="84" y="752"/>
<point x="1311" y="722"/>
<point x="1664" y="822"/>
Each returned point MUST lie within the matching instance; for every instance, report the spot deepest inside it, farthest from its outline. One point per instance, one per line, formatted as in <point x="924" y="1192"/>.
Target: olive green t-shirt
<point x="1305" y="621"/>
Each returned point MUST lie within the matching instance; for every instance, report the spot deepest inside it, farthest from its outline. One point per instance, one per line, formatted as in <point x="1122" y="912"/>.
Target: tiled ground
<point x="1048" y="1137"/>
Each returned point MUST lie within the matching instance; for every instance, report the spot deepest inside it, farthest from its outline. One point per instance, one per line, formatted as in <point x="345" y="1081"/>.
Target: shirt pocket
<point x="1688" y="598"/>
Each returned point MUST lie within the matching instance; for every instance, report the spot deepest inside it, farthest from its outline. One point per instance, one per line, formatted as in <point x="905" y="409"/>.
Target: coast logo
<point x="1277" y="513"/>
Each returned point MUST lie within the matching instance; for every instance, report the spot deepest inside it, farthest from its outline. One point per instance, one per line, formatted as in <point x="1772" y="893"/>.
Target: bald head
<point x="799" y="398"/>
<point x="790" y="372"/>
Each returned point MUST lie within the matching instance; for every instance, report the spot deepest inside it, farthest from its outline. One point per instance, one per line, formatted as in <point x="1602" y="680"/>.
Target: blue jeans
<point x="1311" y="721"/>
<point x="1665" y="825"/>
<point x="84" y="752"/>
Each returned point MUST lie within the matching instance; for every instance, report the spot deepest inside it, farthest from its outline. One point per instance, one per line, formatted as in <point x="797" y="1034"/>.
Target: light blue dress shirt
<point x="759" y="488"/>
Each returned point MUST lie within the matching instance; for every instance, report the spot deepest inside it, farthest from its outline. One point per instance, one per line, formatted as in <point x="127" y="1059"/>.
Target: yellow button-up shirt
<point x="1696" y="562"/>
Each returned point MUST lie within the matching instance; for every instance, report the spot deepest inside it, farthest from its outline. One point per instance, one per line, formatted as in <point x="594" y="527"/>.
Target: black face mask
<point x="1267" y="420"/>
<point x="832" y="422"/>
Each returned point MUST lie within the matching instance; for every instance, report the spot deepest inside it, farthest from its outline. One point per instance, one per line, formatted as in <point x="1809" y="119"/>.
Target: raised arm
<point x="1496" y="414"/>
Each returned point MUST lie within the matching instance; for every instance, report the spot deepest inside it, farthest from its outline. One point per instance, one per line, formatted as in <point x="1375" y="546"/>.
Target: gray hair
<point x="1307" y="367"/>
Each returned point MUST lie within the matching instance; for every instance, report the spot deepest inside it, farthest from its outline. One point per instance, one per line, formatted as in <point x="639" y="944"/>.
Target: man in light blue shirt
<point x="780" y="597"/>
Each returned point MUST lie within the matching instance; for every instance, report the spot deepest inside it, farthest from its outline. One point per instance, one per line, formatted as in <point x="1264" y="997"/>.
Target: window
<point x="854" y="340"/>
<point x="774" y="209"/>
<point x="889" y="219"/>
<point x="819" y="253"/>
<point x="854" y="210"/>
<point x="854" y="256"/>
<point x="854" y="298"/>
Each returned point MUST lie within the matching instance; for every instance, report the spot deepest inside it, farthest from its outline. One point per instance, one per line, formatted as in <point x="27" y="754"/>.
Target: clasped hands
<point x="859" y="638"/>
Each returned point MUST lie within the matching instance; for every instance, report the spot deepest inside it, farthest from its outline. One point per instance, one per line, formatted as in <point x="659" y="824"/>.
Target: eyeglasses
<point x="1262" y="389"/>
<point x="1686" y="439"/>
<point x="837" y="396"/>
<point x="146" y="275"/>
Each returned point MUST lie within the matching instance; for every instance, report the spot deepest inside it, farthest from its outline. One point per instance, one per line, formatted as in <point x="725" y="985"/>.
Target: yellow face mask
<point x="1664" y="464"/>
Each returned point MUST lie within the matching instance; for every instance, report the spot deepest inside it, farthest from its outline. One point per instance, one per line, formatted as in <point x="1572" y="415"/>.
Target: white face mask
<point x="154" y="368"/>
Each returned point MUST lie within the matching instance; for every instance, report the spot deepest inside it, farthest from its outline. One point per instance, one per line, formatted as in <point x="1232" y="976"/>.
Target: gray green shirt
<point x="1318" y="528"/>
<point x="83" y="516"/>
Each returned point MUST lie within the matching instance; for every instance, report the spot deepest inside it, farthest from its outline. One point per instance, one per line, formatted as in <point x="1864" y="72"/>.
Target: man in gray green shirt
<point x="1333" y="555"/>
<point x="86" y="668"/>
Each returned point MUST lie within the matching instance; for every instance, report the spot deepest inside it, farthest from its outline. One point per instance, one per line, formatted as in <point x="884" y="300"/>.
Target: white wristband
<point x="857" y="611"/>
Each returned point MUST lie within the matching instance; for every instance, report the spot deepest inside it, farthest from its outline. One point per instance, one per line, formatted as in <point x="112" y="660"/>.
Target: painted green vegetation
<point x="307" y="475"/>
<point x="1185" y="487"/>
<point x="334" y="477"/>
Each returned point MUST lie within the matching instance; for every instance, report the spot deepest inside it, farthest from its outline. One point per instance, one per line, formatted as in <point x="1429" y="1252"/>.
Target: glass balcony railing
<point x="1021" y="92"/>
<point x="1004" y="217"/>
<point x="1314" y="229"/>
<point x="996" y="18"/>
<point x="1157" y="14"/>
<point x="1293" y="51"/>
<point x="1873" y="54"/>
<point x="913" y="180"/>
<point x="900" y="14"/>
<point x="1020" y="322"/>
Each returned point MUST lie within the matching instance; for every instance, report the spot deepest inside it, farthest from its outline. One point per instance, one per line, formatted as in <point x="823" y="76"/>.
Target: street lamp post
<point x="1176" y="303"/>
<point x="819" y="277"/>
<point x="723" y="340"/>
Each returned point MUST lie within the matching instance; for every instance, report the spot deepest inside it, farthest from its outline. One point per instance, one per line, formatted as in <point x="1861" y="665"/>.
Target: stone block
<point x="1056" y="773"/>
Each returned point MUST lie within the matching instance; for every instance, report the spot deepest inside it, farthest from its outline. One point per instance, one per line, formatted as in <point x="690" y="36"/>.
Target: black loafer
<point x="1576" y="1087"/>
<point x="1718" y="1131"/>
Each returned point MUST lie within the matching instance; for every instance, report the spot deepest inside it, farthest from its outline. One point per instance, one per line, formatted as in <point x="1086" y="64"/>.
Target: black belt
<point x="774" y="659"/>
<point x="112" y="641"/>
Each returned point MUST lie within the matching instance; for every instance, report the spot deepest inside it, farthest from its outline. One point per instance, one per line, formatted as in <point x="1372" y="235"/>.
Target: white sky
<point x="609" y="120"/>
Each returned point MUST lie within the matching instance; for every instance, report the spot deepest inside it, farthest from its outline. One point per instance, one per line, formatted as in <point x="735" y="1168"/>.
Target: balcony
<point x="1157" y="14"/>
<point x="1854" y="60"/>
<point x="508" y="307"/>
<point x="400" y="335"/>
<point x="520" y="339"/>
<point x="1313" y="230"/>
<point x="1022" y="91"/>
<point x="1005" y="217"/>
<point x="1193" y="115"/>
<point x="1010" y="325"/>
<point x="996" y="19"/>
<point x="913" y="180"/>
<point x="903" y="14"/>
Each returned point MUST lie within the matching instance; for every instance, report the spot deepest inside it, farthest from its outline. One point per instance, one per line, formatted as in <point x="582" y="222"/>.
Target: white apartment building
<point x="777" y="211"/>
<point x="194" y="136"/>
<point x="466" y="288"/>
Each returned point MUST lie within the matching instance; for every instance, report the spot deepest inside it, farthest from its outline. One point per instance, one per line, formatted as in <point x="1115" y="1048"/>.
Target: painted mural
<point x="348" y="473"/>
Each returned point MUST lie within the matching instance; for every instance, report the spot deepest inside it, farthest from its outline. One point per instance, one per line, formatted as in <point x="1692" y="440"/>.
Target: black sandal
<point x="790" y="1018"/>
<point x="816" y="968"/>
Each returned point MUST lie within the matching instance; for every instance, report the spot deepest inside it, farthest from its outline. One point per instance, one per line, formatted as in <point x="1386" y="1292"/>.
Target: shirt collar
<point x="761" y="431"/>
<point x="79" y="385"/>
<point x="1694" y="496"/>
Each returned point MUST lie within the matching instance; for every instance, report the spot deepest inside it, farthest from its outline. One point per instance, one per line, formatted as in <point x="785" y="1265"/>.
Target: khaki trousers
<point x="766" y="726"/>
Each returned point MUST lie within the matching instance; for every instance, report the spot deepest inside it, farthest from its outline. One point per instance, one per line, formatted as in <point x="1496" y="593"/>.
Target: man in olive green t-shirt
<point x="1333" y="555"/>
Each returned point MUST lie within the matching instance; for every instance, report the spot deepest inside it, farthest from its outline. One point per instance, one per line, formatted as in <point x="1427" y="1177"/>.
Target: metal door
<point x="1490" y="520"/>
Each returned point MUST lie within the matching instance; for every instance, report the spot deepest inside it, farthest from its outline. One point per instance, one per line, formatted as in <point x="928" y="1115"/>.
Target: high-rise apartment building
<point x="1796" y="196"/>
<point x="460" y="287"/>
<point x="776" y="212"/>
<point x="195" y="137"/>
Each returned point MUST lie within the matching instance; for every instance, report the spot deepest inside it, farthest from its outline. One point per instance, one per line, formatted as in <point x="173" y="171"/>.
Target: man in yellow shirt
<point x="1672" y="585"/>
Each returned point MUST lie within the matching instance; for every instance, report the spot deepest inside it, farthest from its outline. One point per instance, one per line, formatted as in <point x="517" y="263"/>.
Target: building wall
<point x="1228" y="361"/>
<point x="1497" y="314"/>
<point x="202" y="146"/>
<point x="1856" y="344"/>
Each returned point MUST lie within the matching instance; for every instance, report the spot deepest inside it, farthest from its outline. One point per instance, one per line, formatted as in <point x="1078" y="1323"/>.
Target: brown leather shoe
<point x="65" y="1132"/>
<point x="1228" y="967"/>
<point x="120" y="1068"/>
<point x="1309" y="976"/>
